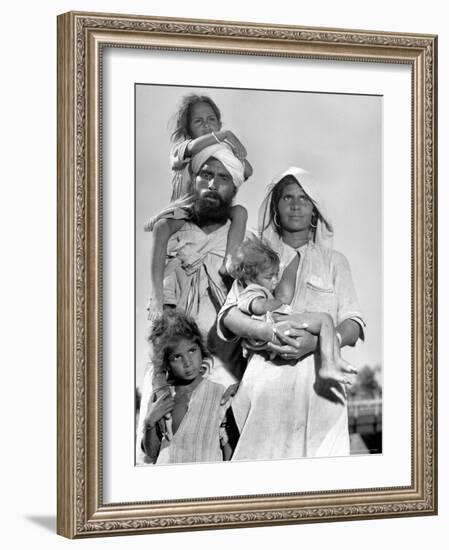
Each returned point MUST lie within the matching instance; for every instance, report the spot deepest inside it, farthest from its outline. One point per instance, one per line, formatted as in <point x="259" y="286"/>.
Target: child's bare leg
<point x="332" y="366"/>
<point x="285" y="289"/>
<point x="236" y="234"/>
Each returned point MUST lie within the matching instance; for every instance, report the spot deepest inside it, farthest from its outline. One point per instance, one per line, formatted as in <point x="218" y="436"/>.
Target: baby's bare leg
<point x="332" y="366"/>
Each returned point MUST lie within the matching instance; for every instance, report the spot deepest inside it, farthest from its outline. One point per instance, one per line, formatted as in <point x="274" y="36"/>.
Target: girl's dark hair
<point x="251" y="258"/>
<point x="273" y="213"/>
<point x="173" y="325"/>
<point x="182" y="117"/>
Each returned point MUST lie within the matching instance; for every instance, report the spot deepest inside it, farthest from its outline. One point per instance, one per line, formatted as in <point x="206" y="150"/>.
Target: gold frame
<point x="81" y="37"/>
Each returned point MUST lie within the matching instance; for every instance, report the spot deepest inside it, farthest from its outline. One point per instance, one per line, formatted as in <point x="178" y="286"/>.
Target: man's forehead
<point x="212" y="162"/>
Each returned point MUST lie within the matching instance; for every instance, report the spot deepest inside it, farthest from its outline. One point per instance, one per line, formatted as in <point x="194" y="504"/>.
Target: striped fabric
<point x="197" y="437"/>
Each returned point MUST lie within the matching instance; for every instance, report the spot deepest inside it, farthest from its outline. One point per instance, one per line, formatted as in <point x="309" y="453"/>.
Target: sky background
<point x="336" y="137"/>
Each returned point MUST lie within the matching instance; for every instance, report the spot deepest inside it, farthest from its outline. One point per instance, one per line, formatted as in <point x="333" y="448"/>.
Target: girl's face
<point x="295" y="209"/>
<point x="203" y="120"/>
<point x="268" y="278"/>
<point x="185" y="360"/>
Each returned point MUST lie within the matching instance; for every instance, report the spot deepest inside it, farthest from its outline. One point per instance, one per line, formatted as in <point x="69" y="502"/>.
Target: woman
<point x="282" y="407"/>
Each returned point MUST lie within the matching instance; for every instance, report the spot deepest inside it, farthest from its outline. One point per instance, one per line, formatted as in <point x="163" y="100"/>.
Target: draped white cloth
<point x="281" y="408"/>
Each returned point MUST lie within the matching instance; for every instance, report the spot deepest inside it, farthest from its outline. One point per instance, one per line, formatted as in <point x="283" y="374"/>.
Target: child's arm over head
<point x="196" y="145"/>
<point x="162" y="232"/>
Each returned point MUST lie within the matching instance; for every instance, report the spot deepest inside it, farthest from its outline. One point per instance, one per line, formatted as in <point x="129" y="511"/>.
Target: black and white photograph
<point x="258" y="274"/>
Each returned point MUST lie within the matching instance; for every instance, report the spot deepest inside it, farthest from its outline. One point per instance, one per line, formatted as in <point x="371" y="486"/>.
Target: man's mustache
<point x="211" y="195"/>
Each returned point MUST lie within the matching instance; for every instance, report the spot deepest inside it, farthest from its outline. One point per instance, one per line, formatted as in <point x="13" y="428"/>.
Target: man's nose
<point x="211" y="184"/>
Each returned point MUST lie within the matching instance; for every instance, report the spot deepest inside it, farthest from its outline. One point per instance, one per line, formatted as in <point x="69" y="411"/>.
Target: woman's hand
<point x="295" y="341"/>
<point x="156" y="411"/>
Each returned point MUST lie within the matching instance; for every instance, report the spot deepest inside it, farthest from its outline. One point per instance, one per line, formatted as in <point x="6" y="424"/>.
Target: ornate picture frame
<point x="82" y="40"/>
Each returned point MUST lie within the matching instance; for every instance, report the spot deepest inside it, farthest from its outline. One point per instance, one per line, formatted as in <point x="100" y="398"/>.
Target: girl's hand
<point x="229" y="392"/>
<point x="163" y="405"/>
<point x="237" y="146"/>
<point x="155" y="308"/>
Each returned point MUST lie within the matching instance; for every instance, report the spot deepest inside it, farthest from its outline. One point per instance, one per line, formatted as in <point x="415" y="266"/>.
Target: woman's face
<point x="295" y="209"/>
<point x="203" y="120"/>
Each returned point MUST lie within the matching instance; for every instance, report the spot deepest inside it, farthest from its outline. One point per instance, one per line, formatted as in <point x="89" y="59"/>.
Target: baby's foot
<point x="337" y="371"/>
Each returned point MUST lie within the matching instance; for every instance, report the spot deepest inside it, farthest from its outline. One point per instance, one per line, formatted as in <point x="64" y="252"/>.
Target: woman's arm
<point x="162" y="232"/>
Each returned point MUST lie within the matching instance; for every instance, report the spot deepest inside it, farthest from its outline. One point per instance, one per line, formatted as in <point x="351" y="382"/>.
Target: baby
<point x="259" y="291"/>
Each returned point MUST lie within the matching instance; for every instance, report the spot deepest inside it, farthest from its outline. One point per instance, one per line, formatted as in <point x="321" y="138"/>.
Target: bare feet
<point x="337" y="371"/>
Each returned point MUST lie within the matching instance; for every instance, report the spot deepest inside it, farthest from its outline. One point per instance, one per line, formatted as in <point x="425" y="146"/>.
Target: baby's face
<point x="268" y="278"/>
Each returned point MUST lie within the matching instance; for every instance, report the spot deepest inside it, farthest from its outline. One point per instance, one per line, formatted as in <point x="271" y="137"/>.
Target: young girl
<point x="192" y="401"/>
<point x="198" y="125"/>
<point x="257" y="291"/>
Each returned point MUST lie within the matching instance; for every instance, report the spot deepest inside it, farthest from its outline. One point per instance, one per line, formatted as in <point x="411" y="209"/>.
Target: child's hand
<point x="229" y="393"/>
<point x="236" y="145"/>
<point x="155" y="308"/>
<point x="162" y="406"/>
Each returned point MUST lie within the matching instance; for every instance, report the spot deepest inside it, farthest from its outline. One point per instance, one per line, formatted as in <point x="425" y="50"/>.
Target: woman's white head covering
<point x="223" y="153"/>
<point x="323" y="233"/>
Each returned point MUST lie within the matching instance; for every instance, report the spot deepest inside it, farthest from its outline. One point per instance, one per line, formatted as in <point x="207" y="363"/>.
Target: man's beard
<point x="210" y="208"/>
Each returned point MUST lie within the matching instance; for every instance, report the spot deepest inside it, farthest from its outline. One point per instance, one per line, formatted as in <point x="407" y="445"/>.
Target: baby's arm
<point x="260" y="306"/>
<point x="285" y="289"/>
<point x="238" y="215"/>
<point x="162" y="232"/>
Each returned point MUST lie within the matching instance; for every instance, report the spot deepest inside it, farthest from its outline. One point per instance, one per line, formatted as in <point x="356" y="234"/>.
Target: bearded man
<point x="195" y="254"/>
